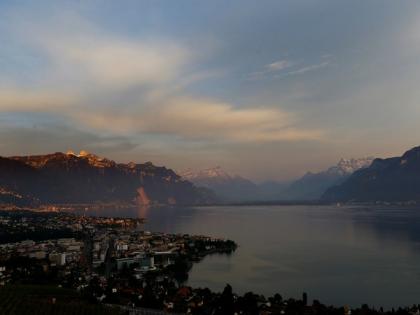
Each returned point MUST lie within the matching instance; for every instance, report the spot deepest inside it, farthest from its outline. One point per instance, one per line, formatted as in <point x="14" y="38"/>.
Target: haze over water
<point x="339" y="255"/>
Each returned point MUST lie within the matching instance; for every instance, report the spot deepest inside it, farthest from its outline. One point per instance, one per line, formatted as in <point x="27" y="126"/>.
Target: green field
<point x="33" y="300"/>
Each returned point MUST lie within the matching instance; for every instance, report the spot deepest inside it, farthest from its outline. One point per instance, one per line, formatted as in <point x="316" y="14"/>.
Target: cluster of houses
<point x="104" y="256"/>
<point x="18" y="221"/>
<point x="148" y="251"/>
<point x="112" y="244"/>
<point x="59" y="252"/>
<point x="52" y="253"/>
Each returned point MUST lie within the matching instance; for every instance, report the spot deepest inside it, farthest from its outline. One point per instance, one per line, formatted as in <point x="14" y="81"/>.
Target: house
<point x="59" y="259"/>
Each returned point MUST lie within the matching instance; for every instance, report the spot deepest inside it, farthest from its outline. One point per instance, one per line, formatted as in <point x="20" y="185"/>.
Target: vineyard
<point x="45" y="300"/>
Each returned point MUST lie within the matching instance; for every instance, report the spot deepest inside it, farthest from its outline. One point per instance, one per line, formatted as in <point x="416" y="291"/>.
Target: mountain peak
<point x="38" y="161"/>
<point x="346" y="166"/>
<point x="226" y="186"/>
<point x="213" y="172"/>
<point x="82" y="153"/>
<point x="412" y="154"/>
<point x="389" y="179"/>
<point x="312" y="185"/>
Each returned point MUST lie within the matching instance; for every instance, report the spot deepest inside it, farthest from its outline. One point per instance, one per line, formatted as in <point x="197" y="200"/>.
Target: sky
<point x="265" y="89"/>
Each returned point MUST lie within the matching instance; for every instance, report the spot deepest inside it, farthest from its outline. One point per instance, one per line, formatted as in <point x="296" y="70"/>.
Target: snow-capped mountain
<point x="209" y="174"/>
<point x="349" y="166"/>
<point x="312" y="185"/>
<point x="395" y="179"/>
<point x="235" y="188"/>
<point x="227" y="187"/>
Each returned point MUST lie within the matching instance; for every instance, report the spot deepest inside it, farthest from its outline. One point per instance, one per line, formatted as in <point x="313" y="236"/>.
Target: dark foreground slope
<point x="46" y="300"/>
<point x="393" y="179"/>
<point x="67" y="178"/>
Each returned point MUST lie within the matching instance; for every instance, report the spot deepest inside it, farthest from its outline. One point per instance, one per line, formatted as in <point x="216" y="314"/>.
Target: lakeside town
<point x="108" y="259"/>
<point x="115" y="266"/>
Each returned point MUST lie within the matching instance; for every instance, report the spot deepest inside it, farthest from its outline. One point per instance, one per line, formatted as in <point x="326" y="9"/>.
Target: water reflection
<point x="143" y="211"/>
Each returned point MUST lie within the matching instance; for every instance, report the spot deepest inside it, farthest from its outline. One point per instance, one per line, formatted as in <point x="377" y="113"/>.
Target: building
<point x="59" y="259"/>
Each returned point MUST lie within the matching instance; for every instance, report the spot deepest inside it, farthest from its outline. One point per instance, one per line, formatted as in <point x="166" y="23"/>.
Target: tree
<point x="226" y="303"/>
<point x="305" y="298"/>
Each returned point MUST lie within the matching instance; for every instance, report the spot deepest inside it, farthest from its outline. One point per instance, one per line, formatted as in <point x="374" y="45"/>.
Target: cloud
<point x="275" y="69"/>
<point x="86" y="54"/>
<point x="163" y="113"/>
<point x="275" y="66"/>
<point x="62" y="47"/>
<point x="310" y="68"/>
<point x="115" y="62"/>
<point x="46" y="137"/>
<point x="198" y="119"/>
<point x="279" y="65"/>
<point x="18" y="99"/>
<point x="118" y="85"/>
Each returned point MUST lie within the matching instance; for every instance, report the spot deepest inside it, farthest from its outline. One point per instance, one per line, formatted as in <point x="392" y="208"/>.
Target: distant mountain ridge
<point x="391" y="179"/>
<point x="215" y="173"/>
<point x="349" y="166"/>
<point x="67" y="178"/>
<point x="235" y="188"/>
<point x="313" y="185"/>
<point x="227" y="187"/>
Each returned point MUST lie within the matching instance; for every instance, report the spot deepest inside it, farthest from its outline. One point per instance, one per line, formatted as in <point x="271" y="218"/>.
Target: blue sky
<point x="266" y="89"/>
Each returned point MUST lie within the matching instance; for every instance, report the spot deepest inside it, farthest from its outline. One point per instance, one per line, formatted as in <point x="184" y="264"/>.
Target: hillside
<point x="391" y="179"/>
<point x="61" y="178"/>
<point x="41" y="299"/>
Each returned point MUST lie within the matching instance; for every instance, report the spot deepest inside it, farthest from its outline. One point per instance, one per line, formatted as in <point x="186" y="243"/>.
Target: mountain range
<point x="67" y="178"/>
<point x="235" y="188"/>
<point x="228" y="188"/>
<point x="392" y="179"/>
<point x="312" y="185"/>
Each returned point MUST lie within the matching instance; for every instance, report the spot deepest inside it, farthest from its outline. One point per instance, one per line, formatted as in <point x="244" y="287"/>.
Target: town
<point x="108" y="259"/>
<point x="60" y="261"/>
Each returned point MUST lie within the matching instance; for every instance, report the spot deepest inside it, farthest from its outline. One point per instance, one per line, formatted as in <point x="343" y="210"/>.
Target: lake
<point x="339" y="255"/>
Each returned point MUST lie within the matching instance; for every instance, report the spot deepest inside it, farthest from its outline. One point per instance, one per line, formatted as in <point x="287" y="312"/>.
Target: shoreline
<point x="204" y="253"/>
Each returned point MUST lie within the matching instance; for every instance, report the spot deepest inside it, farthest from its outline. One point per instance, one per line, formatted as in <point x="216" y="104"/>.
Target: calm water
<point x="346" y="255"/>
